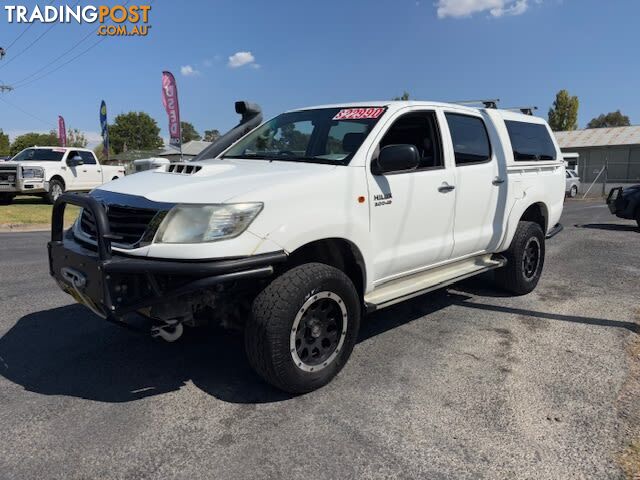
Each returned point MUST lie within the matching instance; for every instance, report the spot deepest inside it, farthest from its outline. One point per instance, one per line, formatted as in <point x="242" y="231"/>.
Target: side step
<point x="411" y="286"/>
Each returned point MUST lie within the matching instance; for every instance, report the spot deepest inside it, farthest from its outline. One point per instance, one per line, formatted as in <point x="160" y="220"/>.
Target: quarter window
<point x="530" y="141"/>
<point x="470" y="139"/>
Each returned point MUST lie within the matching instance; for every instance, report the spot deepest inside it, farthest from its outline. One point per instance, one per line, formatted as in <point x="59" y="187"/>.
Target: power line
<point x="62" y="65"/>
<point x="23" y="32"/>
<point x="17" y="55"/>
<point x="49" y="125"/>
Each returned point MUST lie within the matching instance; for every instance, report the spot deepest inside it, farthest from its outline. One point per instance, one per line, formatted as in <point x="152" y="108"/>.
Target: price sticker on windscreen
<point x="359" y="113"/>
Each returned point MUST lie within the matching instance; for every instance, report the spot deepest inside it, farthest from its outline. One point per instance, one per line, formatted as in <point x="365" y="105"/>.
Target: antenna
<point x="491" y="103"/>
<point x="525" y="110"/>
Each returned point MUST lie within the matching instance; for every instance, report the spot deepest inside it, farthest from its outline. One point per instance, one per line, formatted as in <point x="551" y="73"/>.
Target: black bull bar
<point x="95" y="276"/>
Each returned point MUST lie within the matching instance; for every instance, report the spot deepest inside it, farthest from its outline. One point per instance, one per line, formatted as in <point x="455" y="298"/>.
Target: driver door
<point x="412" y="212"/>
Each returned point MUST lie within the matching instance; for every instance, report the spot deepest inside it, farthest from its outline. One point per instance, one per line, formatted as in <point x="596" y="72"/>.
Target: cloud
<point x="239" y="59"/>
<point x="496" y="8"/>
<point x="207" y="63"/>
<point x="189" y="71"/>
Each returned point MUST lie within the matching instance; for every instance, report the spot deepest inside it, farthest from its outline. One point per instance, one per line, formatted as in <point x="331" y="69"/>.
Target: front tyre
<point x="303" y="327"/>
<point x="56" y="188"/>
<point x="525" y="260"/>
<point x="573" y="192"/>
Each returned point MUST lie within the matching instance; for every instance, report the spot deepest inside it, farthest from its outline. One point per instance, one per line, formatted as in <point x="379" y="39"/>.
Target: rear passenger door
<point x="478" y="223"/>
<point x="90" y="171"/>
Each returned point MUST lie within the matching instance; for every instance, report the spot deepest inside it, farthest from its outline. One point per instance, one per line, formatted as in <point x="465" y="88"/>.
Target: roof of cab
<point x="398" y="104"/>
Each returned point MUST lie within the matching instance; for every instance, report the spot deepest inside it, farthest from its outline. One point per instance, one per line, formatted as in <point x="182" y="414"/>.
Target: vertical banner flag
<point x="170" y="102"/>
<point x="62" y="132"/>
<point x="105" y="129"/>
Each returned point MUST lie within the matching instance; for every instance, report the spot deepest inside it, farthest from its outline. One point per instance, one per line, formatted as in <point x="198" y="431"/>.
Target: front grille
<point x="130" y="223"/>
<point x="8" y="174"/>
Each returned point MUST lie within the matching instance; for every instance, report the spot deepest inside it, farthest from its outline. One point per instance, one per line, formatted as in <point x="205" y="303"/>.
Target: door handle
<point x="498" y="181"/>
<point x="445" y="188"/>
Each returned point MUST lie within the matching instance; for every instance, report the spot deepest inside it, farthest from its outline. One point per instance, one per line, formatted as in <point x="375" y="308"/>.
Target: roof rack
<point x="491" y="103"/>
<point x="525" y="110"/>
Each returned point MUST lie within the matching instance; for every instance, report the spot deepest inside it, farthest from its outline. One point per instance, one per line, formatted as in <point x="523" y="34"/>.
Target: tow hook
<point x="171" y="331"/>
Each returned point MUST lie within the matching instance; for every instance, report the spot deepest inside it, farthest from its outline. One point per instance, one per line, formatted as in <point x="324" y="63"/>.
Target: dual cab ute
<point x="50" y="171"/>
<point x="313" y="219"/>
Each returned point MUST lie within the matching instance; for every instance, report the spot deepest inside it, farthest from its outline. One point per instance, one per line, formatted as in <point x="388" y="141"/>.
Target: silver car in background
<point x="572" y="183"/>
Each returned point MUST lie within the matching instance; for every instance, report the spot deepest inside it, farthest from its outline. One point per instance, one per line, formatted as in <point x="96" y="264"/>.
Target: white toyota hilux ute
<point x="313" y="219"/>
<point x="50" y="171"/>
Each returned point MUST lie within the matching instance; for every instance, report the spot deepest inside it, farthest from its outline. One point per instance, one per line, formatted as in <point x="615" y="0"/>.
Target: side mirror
<point x="75" y="161"/>
<point x="396" y="158"/>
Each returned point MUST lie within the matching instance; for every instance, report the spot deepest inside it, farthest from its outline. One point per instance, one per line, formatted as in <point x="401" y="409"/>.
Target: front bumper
<point x="113" y="285"/>
<point x="21" y="186"/>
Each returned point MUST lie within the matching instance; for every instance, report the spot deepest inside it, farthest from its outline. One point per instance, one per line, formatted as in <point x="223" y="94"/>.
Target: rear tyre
<point x="303" y="328"/>
<point x="56" y="188"/>
<point x="5" y="198"/>
<point x="573" y="192"/>
<point x="525" y="260"/>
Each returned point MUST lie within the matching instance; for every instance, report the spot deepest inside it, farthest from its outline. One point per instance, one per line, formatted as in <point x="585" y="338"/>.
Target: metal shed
<point x="618" y="148"/>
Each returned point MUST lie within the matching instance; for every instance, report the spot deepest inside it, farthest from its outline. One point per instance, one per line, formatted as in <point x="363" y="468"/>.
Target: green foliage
<point x="136" y="131"/>
<point x="612" y="119"/>
<point x="32" y="139"/>
<point x="189" y="132"/>
<point x="75" y="138"/>
<point x="563" y="115"/>
<point x="4" y="144"/>
<point x="211" y="135"/>
<point x="405" y="96"/>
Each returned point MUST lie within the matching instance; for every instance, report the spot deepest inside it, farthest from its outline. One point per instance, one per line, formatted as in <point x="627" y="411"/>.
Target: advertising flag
<point x="62" y="132"/>
<point x="104" y="128"/>
<point x="170" y="102"/>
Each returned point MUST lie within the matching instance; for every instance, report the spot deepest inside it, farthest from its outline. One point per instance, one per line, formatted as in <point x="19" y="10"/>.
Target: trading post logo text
<point x="132" y="20"/>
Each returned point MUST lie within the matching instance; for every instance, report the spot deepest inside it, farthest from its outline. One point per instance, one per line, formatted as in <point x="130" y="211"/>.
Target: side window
<point x="419" y="129"/>
<point x="530" y="141"/>
<point x="88" y="158"/>
<point x="470" y="139"/>
<point x="567" y="174"/>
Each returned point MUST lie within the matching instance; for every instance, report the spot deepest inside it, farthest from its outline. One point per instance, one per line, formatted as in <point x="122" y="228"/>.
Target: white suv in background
<point x="50" y="171"/>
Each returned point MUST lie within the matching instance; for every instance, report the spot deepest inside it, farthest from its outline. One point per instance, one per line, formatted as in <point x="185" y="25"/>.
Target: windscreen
<point x="325" y="135"/>
<point x="39" y="154"/>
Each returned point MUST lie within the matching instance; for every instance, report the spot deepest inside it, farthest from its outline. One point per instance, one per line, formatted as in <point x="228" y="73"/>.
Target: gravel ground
<point x="462" y="383"/>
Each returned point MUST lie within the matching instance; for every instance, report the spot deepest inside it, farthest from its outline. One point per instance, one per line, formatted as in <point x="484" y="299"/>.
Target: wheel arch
<point x="535" y="211"/>
<point x="336" y="252"/>
<point x="60" y="179"/>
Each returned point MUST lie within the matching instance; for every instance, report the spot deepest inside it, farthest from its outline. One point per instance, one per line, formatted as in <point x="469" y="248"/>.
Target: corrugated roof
<point x="599" y="137"/>
<point x="192" y="148"/>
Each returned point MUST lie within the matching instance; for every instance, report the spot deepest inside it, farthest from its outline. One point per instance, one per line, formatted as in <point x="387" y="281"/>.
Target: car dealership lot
<point x="463" y="383"/>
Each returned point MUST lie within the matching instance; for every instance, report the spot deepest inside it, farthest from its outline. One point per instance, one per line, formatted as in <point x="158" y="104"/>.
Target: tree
<point x="136" y="130"/>
<point x="189" y="132"/>
<point x="75" y="138"/>
<point x="405" y="96"/>
<point x="32" y="139"/>
<point x="563" y="115"/>
<point x="612" y="119"/>
<point x="211" y="135"/>
<point x="4" y="144"/>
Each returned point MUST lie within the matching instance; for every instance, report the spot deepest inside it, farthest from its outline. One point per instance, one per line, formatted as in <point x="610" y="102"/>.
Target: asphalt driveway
<point x="463" y="383"/>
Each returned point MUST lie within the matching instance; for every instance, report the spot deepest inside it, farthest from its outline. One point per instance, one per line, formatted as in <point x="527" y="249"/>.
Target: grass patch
<point x="32" y="211"/>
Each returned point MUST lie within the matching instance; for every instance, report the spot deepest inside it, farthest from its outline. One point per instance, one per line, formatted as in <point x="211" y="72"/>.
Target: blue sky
<point x="306" y="53"/>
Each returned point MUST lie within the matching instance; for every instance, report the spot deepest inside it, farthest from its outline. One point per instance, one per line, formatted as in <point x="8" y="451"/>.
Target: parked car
<point x="625" y="202"/>
<point x="572" y="183"/>
<point x="50" y="171"/>
<point x="314" y="218"/>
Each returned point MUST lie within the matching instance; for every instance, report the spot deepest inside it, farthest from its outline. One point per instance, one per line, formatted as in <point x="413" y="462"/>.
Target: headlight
<point x="206" y="223"/>
<point x="32" y="172"/>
